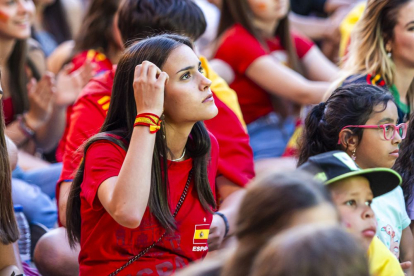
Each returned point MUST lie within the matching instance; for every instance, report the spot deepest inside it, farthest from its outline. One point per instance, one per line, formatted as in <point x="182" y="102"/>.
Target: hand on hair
<point x="41" y="96"/>
<point x="69" y="85"/>
<point x="149" y="85"/>
<point x="216" y="235"/>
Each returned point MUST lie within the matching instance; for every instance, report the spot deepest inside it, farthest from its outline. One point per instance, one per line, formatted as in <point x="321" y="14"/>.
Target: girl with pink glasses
<point x="362" y="121"/>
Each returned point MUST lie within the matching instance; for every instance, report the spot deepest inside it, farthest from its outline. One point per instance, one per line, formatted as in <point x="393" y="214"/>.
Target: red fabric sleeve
<point x="235" y="154"/>
<point x="86" y="120"/>
<point x="239" y="49"/>
<point x="103" y="160"/>
<point x="78" y="132"/>
<point x="302" y="44"/>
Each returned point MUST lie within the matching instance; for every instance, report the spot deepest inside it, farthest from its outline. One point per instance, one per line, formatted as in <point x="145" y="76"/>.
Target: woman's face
<point x="269" y="10"/>
<point x="188" y="97"/>
<point x="353" y="197"/>
<point x="403" y="41"/>
<point x="373" y="150"/>
<point x="15" y="18"/>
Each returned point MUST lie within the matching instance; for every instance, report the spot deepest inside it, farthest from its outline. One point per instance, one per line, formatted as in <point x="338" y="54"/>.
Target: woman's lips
<point x="394" y="153"/>
<point x="209" y="98"/>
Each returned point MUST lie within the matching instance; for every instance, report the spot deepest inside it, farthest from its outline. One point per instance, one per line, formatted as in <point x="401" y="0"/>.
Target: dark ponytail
<point x="348" y="105"/>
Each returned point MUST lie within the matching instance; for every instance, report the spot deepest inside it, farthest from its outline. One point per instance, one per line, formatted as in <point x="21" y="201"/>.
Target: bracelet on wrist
<point x="226" y="222"/>
<point x="27" y="131"/>
<point x="148" y="119"/>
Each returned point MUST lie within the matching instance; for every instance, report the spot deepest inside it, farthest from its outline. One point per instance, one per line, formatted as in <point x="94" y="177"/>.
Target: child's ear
<point x="348" y="140"/>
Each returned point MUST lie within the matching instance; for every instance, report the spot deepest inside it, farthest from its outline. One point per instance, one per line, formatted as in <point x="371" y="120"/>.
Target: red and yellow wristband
<point x="150" y="120"/>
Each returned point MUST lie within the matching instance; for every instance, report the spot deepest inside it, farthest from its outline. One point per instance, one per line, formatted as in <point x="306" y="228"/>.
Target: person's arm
<point x="9" y="261"/>
<point x="318" y="67"/>
<point x="130" y="189"/>
<point x="232" y="195"/>
<point x="282" y="81"/>
<point x="40" y="96"/>
<point x="63" y="200"/>
<point x="407" y="246"/>
<point x="315" y="28"/>
<point x="12" y="152"/>
<point x="60" y="56"/>
<point x="68" y="87"/>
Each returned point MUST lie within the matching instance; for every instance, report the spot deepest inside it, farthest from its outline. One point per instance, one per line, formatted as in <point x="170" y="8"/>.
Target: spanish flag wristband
<point x="150" y="120"/>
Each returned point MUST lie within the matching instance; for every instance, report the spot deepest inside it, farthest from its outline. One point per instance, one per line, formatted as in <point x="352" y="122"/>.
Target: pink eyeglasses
<point x="389" y="130"/>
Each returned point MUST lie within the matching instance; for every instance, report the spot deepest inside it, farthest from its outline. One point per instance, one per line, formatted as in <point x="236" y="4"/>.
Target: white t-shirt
<point x="392" y="218"/>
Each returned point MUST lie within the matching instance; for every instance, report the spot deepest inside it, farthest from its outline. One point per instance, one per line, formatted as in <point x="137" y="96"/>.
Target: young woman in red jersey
<point x="272" y="70"/>
<point x="144" y="192"/>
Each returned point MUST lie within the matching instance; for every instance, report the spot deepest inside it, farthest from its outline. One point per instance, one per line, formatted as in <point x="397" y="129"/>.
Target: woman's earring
<point x="389" y="54"/>
<point x="353" y="156"/>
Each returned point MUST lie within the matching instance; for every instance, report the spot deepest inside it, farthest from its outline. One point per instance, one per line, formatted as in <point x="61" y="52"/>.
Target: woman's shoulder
<point x="36" y="56"/>
<point x="107" y="145"/>
<point x="238" y="36"/>
<point x="372" y="79"/>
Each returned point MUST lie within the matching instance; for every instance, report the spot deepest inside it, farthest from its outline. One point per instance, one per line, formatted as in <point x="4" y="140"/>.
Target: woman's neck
<point x="267" y="28"/>
<point x="403" y="78"/>
<point x="176" y="139"/>
<point x="6" y="49"/>
<point x="114" y="54"/>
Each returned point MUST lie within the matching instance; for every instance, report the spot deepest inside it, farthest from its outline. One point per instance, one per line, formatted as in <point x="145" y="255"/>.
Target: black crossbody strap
<point x="143" y="252"/>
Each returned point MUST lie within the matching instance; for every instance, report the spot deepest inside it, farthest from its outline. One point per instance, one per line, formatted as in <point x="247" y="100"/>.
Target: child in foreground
<point x="352" y="191"/>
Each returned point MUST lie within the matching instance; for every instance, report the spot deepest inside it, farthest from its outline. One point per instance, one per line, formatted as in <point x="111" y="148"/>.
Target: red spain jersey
<point x="89" y="112"/>
<point x="102" y="64"/>
<point x="239" y="50"/>
<point x="106" y="245"/>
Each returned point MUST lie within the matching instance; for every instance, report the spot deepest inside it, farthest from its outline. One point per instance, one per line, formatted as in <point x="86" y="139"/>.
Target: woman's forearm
<point x="130" y="190"/>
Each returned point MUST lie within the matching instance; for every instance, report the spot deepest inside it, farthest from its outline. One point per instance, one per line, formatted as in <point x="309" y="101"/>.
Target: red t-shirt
<point x="8" y="110"/>
<point x="239" y="50"/>
<point x="89" y="112"/>
<point x="106" y="245"/>
<point x="102" y="64"/>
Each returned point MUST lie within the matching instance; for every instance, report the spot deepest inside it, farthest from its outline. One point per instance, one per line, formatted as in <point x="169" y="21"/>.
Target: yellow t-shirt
<point x="381" y="261"/>
<point x="221" y="89"/>
<point x="347" y="25"/>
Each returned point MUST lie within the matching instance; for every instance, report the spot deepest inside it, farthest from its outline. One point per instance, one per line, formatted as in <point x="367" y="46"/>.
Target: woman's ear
<point x="348" y="140"/>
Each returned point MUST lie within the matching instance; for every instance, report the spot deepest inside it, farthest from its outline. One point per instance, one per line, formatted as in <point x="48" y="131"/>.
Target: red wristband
<point x="148" y="119"/>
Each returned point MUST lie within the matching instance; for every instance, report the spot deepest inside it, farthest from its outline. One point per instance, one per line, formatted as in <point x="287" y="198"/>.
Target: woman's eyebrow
<point x="386" y="120"/>
<point x="411" y="22"/>
<point x="188" y="68"/>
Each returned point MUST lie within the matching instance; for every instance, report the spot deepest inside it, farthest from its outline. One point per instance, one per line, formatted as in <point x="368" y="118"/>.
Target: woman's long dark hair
<point x="405" y="162"/>
<point x="9" y="232"/>
<point x="348" y="105"/>
<point x="96" y="31"/>
<point x="17" y="63"/>
<point x="120" y="121"/>
<point x="18" y="80"/>
<point x="55" y="22"/>
<point x="267" y="209"/>
<point x="233" y="12"/>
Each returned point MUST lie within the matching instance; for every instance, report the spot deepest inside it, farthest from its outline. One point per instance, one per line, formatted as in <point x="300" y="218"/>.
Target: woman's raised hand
<point x="41" y="97"/>
<point x="69" y="85"/>
<point x="149" y="85"/>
